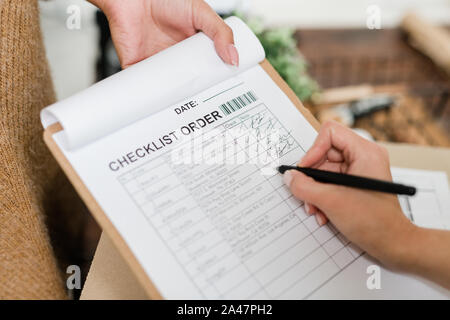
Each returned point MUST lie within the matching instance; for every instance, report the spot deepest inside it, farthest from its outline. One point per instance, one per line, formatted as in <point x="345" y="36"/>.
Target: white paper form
<point x="180" y="71"/>
<point x="215" y="231"/>
<point x="430" y="207"/>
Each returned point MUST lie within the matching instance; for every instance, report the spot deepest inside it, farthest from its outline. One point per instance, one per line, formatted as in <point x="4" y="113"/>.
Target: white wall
<point x="71" y="54"/>
<point x="345" y="13"/>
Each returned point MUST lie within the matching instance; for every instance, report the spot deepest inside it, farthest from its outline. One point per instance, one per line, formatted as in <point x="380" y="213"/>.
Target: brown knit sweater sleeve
<point x="28" y="268"/>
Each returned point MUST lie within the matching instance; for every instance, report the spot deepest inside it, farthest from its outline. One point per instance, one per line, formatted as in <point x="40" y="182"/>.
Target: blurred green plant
<point x="281" y="50"/>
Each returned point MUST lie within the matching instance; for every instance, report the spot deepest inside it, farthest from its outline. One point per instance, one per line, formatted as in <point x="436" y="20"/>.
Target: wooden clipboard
<point x="100" y="215"/>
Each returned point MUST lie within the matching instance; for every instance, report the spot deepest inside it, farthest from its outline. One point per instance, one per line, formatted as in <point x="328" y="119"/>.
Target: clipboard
<point x="101" y="217"/>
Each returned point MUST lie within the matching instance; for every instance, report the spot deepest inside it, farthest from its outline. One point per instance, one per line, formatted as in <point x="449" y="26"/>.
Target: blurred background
<point x="380" y="66"/>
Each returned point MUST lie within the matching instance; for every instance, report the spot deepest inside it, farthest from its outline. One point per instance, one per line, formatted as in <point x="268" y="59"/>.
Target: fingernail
<point x="320" y="219"/>
<point x="233" y="54"/>
<point x="307" y="208"/>
<point x="287" y="178"/>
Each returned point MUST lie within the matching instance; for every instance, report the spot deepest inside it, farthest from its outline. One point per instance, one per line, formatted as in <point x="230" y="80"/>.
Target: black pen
<point x="352" y="181"/>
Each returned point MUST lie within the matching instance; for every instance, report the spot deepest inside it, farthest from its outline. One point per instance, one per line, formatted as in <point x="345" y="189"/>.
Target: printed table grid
<point x="225" y="231"/>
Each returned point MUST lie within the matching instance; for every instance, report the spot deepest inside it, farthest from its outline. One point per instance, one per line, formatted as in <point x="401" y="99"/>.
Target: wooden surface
<point x="101" y="216"/>
<point x="432" y="40"/>
<point x="406" y="121"/>
<point x="339" y="58"/>
<point x="111" y="278"/>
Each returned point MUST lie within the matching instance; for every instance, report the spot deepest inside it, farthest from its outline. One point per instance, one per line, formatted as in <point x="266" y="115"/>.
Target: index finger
<point x="208" y="21"/>
<point x="332" y="137"/>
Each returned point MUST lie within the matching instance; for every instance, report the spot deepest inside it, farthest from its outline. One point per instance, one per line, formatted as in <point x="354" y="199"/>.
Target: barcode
<point x="238" y="103"/>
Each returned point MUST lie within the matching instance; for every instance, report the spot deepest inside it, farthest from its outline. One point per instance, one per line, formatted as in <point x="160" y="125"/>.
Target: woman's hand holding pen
<point x="372" y="220"/>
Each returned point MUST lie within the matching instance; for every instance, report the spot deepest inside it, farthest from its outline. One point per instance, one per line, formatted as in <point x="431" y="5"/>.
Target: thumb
<point x="206" y="20"/>
<point x="306" y="188"/>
